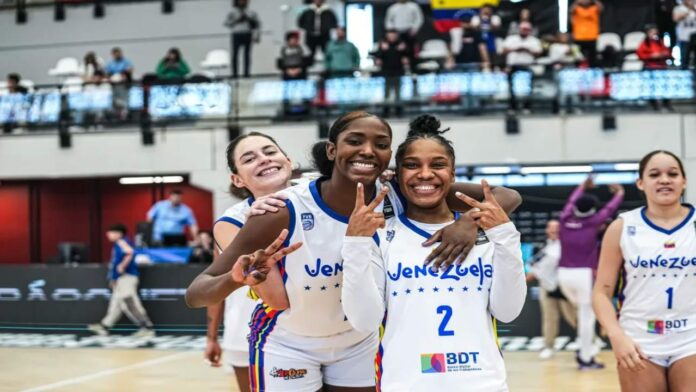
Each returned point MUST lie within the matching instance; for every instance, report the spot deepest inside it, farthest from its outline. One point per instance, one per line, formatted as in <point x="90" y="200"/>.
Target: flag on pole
<point x="447" y="13"/>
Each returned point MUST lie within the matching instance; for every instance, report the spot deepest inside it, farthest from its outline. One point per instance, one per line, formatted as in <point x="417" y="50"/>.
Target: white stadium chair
<point x="66" y="67"/>
<point x="216" y="60"/>
<point x="632" y="63"/>
<point x="434" y="49"/>
<point x="633" y="40"/>
<point x="608" y="39"/>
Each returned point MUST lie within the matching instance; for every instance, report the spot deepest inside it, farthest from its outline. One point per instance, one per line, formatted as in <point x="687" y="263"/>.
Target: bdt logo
<point x="433" y="363"/>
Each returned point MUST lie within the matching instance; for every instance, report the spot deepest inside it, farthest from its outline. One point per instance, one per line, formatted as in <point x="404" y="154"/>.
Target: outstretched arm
<point x="508" y="199"/>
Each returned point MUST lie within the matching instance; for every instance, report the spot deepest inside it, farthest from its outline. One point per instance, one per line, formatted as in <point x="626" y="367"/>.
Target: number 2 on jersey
<point x="670" y="296"/>
<point x="447" y="310"/>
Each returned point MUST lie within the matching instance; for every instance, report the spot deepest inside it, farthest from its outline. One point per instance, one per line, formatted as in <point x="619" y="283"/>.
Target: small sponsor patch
<point x="288" y="374"/>
<point x="481" y="238"/>
<point x="307" y="219"/>
<point x="656" y="327"/>
<point x="433" y="363"/>
<point x="670" y="244"/>
<point x="631" y="230"/>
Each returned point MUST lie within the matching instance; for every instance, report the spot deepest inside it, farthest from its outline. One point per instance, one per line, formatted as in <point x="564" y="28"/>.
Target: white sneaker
<point x="145" y="333"/>
<point x="545" y="354"/>
<point x="97" y="329"/>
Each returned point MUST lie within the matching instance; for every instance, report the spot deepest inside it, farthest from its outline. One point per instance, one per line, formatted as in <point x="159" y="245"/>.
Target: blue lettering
<point x="398" y="273"/>
<point x="313" y="273"/>
<point x="421" y="270"/>
<point x="447" y="274"/>
<point x="480" y="267"/>
<point x="326" y="270"/>
<point x="338" y="268"/>
<point x="451" y="358"/>
<point x="408" y="272"/>
<point x="677" y="262"/>
<point x="488" y="271"/>
<point x="462" y="270"/>
<point x="433" y="272"/>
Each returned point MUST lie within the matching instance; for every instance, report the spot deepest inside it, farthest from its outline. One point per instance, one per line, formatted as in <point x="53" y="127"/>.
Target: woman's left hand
<point x="488" y="213"/>
<point x="268" y="203"/>
<point x="456" y="239"/>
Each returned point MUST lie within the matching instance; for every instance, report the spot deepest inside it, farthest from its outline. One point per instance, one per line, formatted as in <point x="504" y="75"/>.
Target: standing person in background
<point x="489" y="23"/>
<point x="292" y="61"/>
<point x="317" y="21"/>
<point x="665" y="23"/>
<point x="123" y="279"/>
<point x="342" y="57"/>
<point x="245" y="27"/>
<point x="120" y="73"/>
<point x="92" y="68"/>
<point x="544" y="269"/>
<point x="406" y="17"/>
<point x="585" y="19"/>
<point x="581" y="224"/>
<point x="170" y="217"/>
<point x="524" y="16"/>
<point x="172" y="68"/>
<point x="521" y="51"/>
<point x="685" y="16"/>
<point x="392" y="58"/>
<point x="473" y="54"/>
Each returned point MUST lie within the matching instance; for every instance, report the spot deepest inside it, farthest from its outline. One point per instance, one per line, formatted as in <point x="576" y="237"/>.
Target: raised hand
<point x="364" y="221"/>
<point x="488" y="213"/>
<point x="252" y="269"/>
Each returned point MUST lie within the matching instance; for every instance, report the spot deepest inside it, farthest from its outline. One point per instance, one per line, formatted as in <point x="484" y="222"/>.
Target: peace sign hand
<point x="364" y="221"/>
<point x="252" y="269"/>
<point x="488" y="213"/>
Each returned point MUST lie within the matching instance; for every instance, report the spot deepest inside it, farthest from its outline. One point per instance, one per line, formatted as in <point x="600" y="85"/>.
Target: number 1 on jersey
<point x="447" y="310"/>
<point x="670" y="296"/>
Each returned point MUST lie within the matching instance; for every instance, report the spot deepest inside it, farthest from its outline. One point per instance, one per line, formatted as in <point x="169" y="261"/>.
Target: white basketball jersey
<point x="238" y="305"/>
<point x="438" y="332"/>
<point x="313" y="274"/>
<point x="659" y="273"/>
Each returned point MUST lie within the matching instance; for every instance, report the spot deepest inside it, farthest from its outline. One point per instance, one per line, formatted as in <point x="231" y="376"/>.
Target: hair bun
<point x="425" y="124"/>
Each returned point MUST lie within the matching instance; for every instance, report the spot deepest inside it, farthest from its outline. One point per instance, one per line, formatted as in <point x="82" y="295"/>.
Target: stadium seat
<point x="66" y="67"/>
<point x="633" y="40"/>
<point x="609" y="39"/>
<point x="72" y="85"/>
<point x="216" y="60"/>
<point x="632" y="63"/>
<point x="434" y="49"/>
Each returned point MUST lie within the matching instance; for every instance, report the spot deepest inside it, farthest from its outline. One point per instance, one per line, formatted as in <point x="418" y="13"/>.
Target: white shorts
<point x="281" y="363"/>
<point x="664" y="350"/>
<point x="235" y="358"/>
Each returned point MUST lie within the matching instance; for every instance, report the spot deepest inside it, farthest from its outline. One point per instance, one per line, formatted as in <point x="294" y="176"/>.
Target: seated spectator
<point x="524" y="16"/>
<point x="169" y="219"/>
<point x="489" y="23"/>
<point x="565" y="52"/>
<point x="654" y="54"/>
<point x="203" y="249"/>
<point x="392" y="58"/>
<point x="119" y="69"/>
<point x="172" y="68"/>
<point x="473" y="53"/>
<point x="13" y="86"/>
<point x="292" y="61"/>
<point x="93" y="69"/>
<point x="342" y="57"/>
<point x="521" y="50"/>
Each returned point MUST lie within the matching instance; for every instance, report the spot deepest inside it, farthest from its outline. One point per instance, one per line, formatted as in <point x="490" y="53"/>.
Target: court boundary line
<point x="108" y="372"/>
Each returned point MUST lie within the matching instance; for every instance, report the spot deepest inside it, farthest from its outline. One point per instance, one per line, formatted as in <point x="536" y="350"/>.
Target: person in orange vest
<point x="585" y="19"/>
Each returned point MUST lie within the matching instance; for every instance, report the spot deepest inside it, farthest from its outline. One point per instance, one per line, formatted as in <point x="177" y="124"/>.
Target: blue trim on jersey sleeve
<point x="376" y="238"/>
<point x="407" y="222"/>
<point x="230" y="220"/>
<point x="322" y="205"/>
<point x="675" y="228"/>
<point x="250" y="200"/>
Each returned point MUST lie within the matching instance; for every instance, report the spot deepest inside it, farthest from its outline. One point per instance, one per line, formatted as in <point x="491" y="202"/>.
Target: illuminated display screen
<point x="190" y="100"/>
<point x="39" y="107"/>
<point x="355" y="90"/>
<point x="276" y="91"/>
<point x="656" y="84"/>
<point x="466" y="83"/>
<point x="581" y="81"/>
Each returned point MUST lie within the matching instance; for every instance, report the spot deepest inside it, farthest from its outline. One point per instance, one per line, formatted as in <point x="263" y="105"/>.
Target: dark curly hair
<point x="425" y="126"/>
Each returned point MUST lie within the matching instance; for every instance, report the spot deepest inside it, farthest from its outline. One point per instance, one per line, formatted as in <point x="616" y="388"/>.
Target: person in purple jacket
<point x="581" y="225"/>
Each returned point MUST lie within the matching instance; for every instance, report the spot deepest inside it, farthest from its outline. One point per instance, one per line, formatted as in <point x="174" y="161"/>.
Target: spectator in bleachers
<point x="524" y="16"/>
<point x="93" y="69"/>
<point x="585" y="20"/>
<point x="685" y="16"/>
<point x="245" y="27"/>
<point x="489" y="23"/>
<point x="392" y="57"/>
<point x="292" y="61"/>
<point x="317" y="21"/>
<point x="571" y="55"/>
<point x="406" y="17"/>
<point x="342" y="57"/>
<point x="170" y="217"/>
<point x="13" y="85"/>
<point x="665" y="23"/>
<point x="473" y="54"/>
<point x="654" y="54"/>
<point x="521" y="50"/>
<point x="172" y="68"/>
<point x="119" y="69"/>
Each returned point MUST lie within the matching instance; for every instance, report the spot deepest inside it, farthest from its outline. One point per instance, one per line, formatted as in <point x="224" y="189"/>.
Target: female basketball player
<point x="437" y="322"/>
<point x="300" y="339"/>
<point x="259" y="167"/>
<point x="653" y="250"/>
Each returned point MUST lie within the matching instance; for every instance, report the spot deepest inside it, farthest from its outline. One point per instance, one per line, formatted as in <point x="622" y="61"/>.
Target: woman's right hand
<point x="268" y="203"/>
<point x="252" y="269"/>
<point x="364" y="221"/>
<point x="628" y="354"/>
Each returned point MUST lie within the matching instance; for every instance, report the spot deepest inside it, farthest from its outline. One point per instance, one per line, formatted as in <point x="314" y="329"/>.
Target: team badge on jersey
<point x="390" y="235"/>
<point x="631" y="230"/>
<point x="307" y="221"/>
<point x="670" y="244"/>
<point x="481" y="238"/>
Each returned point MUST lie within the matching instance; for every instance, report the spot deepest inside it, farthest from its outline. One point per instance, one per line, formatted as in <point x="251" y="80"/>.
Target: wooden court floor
<point x="53" y="369"/>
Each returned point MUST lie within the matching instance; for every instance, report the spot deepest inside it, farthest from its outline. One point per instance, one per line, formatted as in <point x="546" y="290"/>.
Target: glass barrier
<point x="271" y="98"/>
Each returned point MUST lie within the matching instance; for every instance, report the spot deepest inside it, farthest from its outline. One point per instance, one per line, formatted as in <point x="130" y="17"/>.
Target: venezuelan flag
<point x="447" y="13"/>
